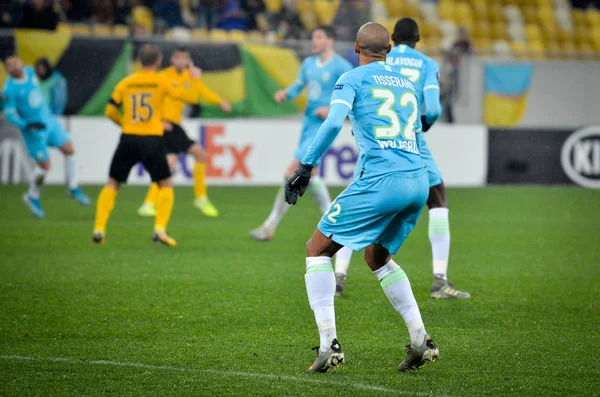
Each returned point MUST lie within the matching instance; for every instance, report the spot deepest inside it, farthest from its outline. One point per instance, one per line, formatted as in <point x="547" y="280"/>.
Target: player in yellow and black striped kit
<point x="176" y="139"/>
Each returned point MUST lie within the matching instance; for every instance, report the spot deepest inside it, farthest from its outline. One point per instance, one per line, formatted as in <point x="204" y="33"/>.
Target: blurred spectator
<point x="583" y="4"/>
<point x="289" y="25"/>
<point x="207" y="13"/>
<point x="233" y="17"/>
<point x="168" y="11"/>
<point x="142" y="20"/>
<point x="40" y="14"/>
<point x="460" y="48"/>
<point x="7" y="11"/>
<point x="53" y="86"/>
<point x="77" y="10"/>
<point x="253" y="9"/>
<point x="103" y="12"/>
<point x="121" y="11"/>
<point x="351" y="15"/>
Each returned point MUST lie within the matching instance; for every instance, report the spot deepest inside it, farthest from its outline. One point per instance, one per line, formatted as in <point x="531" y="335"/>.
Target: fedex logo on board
<point x="225" y="161"/>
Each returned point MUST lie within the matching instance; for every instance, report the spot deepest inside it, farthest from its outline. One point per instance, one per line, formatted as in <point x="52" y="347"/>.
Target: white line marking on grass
<point x="291" y="378"/>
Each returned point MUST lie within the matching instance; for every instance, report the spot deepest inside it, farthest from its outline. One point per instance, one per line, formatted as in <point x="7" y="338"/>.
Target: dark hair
<point x="327" y="29"/>
<point x="182" y="49"/>
<point x="8" y="54"/>
<point x="406" y="31"/>
<point x="149" y="54"/>
<point x="46" y="64"/>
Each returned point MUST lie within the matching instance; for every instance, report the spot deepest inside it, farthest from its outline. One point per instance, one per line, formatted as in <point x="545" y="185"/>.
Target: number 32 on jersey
<point x="386" y="110"/>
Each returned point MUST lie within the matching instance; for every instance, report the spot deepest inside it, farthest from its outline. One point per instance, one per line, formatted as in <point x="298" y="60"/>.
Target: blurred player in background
<point x="141" y="97"/>
<point x="379" y="209"/>
<point x="176" y="139"/>
<point x="53" y="85"/>
<point x="424" y="73"/>
<point x="318" y="74"/>
<point x="26" y="108"/>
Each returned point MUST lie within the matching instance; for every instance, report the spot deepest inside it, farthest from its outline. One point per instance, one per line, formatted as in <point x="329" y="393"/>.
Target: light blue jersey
<point x="424" y="73"/>
<point x="24" y="103"/>
<point x="382" y="205"/>
<point x="319" y="80"/>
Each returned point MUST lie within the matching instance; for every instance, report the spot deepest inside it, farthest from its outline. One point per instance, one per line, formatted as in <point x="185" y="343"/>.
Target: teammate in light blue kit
<point x="25" y="107"/>
<point x="318" y="75"/>
<point x="380" y="207"/>
<point x="424" y="73"/>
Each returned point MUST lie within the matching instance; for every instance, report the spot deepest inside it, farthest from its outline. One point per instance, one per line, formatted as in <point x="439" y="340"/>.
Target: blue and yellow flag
<point x="506" y="93"/>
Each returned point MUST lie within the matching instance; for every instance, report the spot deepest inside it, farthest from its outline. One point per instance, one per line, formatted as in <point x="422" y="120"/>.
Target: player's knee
<point x="67" y="149"/>
<point x="44" y="165"/>
<point x="437" y="197"/>
<point x="113" y="184"/>
<point x="165" y="183"/>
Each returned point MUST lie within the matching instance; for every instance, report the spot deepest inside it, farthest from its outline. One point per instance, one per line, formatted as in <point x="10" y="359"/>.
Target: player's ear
<point x="389" y="49"/>
<point x="418" y="38"/>
<point x="356" y="48"/>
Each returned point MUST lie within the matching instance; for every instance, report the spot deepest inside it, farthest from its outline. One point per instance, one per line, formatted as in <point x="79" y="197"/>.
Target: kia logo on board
<point x="580" y="157"/>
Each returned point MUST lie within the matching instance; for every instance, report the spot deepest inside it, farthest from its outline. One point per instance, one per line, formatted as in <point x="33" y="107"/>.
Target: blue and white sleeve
<point x="10" y="109"/>
<point x="342" y="101"/>
<point x="431" y="92"/>
<point x="296" y="88"/>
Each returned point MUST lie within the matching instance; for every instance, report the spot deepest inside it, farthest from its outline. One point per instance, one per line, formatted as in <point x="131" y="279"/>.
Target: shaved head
<point x="373" y="41"/>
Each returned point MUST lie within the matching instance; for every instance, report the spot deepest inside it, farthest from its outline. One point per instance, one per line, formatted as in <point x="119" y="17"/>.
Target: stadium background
<point x="133" y="319"/>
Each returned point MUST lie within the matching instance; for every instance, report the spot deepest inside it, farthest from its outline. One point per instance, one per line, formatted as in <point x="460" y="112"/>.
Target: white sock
<point x="320" y="193"/>
<point x="342" y="260"/>
<point x="439" y="236"/>
<point x="397" y="288"/>
<point x="35" y="182"/>
<point x="280" y="208"/>
<point x="71" y="172"/>
<point x="320" y="288"/>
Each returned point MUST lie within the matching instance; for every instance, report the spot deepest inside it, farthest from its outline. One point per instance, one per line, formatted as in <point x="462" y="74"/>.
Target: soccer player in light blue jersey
<point x="25" y="107"/>
<point x="318" y="75"/>
<point x="424" y="73"/>
<point x="378" y="210"/>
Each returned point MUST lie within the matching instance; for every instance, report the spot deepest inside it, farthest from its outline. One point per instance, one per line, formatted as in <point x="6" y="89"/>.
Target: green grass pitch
<point x="221" y="314"/>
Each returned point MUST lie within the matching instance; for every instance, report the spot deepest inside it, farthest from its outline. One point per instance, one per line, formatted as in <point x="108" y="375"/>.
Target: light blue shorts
<point x="377" y="211"/>
<point x="37" y="142"/>
<point x="310" y="127"/>
<point x="435" y="176"/>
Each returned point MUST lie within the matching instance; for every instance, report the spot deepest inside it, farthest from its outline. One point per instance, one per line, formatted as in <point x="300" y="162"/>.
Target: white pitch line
<point x="291" y="378"/>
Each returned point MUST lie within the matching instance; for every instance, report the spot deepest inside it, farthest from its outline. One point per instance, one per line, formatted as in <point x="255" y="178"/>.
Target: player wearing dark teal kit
<point x="26" y="108"/>
<point x="381" y="206"/>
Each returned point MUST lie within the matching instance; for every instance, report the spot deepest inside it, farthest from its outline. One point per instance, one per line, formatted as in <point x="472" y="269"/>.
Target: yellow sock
<point x="164" y="206"/>
<point x="199" y="180"/>
<point x="104" y="206"/>
<point x="151" y="195"/>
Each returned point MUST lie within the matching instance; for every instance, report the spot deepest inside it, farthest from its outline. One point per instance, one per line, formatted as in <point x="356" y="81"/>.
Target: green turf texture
<point x="221" y="314"/>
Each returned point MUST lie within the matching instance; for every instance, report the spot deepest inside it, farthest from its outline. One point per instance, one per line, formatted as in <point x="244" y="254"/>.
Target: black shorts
<point x="177" y="140"/>
<point x="133" y="149"/>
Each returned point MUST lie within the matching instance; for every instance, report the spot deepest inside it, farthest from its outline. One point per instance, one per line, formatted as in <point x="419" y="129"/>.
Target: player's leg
<point x="59" y="138"/>
<point x="266" y="231"/>
<point x="201" y="200"/>
<point x="125" y="157"/>
<point x="155" y="161"/>
<point x="320" y="288"/>
<point x="104" y="207"/>
<point x="397" y="288"/>
<point x="439" y="228"/>
<point x="38" y="150"/>
<point x="342" y="262"/>
<point x="408" y="197"/>
<point x="148" y="208"/>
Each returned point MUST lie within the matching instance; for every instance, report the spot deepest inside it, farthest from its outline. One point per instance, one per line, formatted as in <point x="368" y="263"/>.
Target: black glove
<point x="35" y="126"/>
<point x="426" y="126"/>
<point x="297" y="184"/>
